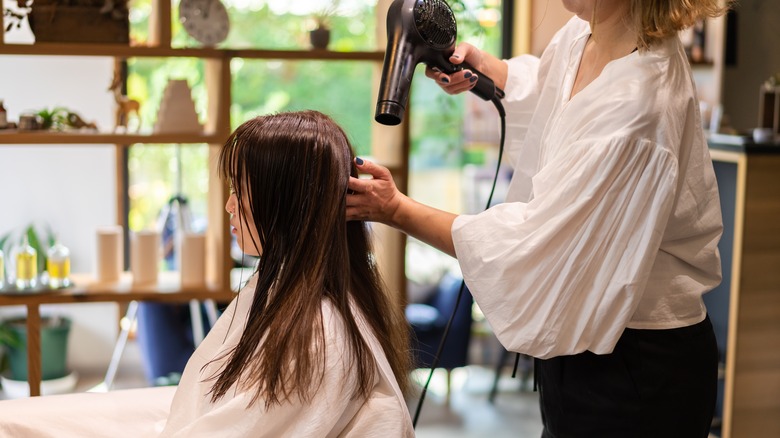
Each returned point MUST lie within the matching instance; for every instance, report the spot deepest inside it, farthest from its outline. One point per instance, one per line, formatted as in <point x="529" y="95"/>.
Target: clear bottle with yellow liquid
<point x="26" y="266"/>
<point x="2" y="269"/>
<point x="58" y="265"/>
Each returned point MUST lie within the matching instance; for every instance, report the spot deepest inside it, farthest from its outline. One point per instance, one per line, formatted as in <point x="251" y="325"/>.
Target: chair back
<point x="455" y="351"/>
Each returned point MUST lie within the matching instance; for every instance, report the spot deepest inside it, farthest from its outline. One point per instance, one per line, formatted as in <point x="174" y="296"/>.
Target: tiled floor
<point x="515" y="412"/>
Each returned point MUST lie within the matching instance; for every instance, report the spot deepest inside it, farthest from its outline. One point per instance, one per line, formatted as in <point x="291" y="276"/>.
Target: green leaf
<point x="35" y="242"/>
<point x="9" y="337"/>
<point x="3" y="240"/>
<point x="51" y="236"/>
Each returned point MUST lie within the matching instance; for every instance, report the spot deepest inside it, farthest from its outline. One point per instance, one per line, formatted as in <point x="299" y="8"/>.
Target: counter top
<point x="741" y="144"/>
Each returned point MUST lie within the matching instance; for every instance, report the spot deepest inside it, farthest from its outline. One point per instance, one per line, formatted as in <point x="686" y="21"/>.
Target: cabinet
<point x="390" y="149"/>
<point x="745" y="308"/>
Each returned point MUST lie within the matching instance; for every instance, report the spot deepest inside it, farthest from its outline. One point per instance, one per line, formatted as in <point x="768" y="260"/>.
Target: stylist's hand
<point x="375" y="199"/>
<point x="463" y="80"/>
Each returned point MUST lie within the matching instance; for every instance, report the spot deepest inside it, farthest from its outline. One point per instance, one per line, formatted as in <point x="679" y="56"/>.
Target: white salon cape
<point x="612" y="217"/>
<point x="332" y="411"/>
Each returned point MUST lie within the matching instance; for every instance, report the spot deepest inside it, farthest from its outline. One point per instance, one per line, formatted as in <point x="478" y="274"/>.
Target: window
<point x="445" y="143"/>
<point x="158" y="174"/>
<point x="454" y="141"/>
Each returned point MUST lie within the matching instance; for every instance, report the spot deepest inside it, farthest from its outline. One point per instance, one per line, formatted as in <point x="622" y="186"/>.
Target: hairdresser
<point x="597" y="262"/>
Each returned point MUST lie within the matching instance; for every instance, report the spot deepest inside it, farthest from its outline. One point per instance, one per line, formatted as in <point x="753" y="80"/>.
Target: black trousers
<point x="655" y="384"/>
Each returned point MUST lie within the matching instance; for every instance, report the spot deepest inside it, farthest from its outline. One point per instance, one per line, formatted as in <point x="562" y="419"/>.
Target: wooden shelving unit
<point x="124" y="51"/>
<point x="216" y="130"/>
<point x="87" y="290"/>
<point x="9" y="136"/>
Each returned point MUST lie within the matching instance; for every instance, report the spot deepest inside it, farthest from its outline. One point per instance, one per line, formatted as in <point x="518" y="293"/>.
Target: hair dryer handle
<point x="485" y="88"/>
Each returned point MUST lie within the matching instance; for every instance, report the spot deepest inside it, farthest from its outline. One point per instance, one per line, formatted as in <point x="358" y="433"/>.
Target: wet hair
<point x="655" y="20"/>
<point x="293" y="169"/>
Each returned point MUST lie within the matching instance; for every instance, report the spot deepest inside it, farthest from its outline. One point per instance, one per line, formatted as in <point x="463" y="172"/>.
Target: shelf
<point x="704" y="63"/>
<point x="307" y="55"/>
<point x="86" y="290"/>
<point x="125" y="51"/>
<point x="33" y="137"/>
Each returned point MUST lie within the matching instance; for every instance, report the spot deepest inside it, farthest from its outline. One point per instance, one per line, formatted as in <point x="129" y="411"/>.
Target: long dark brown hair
<point x="294" y="168"/>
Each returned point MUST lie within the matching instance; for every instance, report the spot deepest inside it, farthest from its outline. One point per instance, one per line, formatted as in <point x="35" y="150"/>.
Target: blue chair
<point x="429" y="320"/>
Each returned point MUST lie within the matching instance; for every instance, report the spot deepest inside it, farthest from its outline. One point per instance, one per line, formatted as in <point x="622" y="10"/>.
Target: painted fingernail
<point x="467" y="75"/>
<point x="445" y="80"/>
<point x="473" y="79"/>
<point x="359" y="161"/>
<point x="456" y="56"/>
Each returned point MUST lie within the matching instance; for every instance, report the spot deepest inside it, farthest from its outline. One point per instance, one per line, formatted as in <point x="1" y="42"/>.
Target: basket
<point x="64" y="23"/>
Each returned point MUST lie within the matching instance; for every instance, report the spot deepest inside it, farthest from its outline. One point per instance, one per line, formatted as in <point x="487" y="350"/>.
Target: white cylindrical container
<point x="193" y="260"/>
<point x="145" y="256"/>
<point x="110" y="254"/>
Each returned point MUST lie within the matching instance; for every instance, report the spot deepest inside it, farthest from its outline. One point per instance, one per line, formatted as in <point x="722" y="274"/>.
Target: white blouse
<point x="332" y="412"/>
<point x="612" y="218"/>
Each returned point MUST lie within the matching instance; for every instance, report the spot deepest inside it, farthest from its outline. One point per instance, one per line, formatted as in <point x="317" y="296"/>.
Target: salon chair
<point x="429" y="319"/>
<point x="523" y="364"/>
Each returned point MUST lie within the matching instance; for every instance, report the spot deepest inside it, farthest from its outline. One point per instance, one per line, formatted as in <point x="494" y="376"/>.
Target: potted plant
<point x="319" y="36"/>
<point x="54" y="118"/>
<point x="8" y="339"/>
<point x="54" y="347"/>
<point x="55" y="331"/>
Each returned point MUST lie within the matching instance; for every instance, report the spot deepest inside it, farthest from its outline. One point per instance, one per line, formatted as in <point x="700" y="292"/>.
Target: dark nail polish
<point x="359" y="161"/>
<point x="467" y="75"/>
<point x="473" y="79"/>
<point x="445" y="80"/>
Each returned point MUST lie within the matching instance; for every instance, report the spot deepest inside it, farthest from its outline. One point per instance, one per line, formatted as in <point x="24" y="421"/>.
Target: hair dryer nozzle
<point x="389" y="113"/>
<point x="418" y="31"/>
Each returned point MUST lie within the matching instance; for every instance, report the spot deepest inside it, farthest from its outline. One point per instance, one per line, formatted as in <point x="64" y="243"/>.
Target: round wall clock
<point x="205" y="20"/>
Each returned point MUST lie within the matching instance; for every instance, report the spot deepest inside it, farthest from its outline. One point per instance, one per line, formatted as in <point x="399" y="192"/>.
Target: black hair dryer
<point x="419" y="31"/>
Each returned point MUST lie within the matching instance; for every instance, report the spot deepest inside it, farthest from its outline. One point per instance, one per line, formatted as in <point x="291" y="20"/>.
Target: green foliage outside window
<point x="341" y="89"/>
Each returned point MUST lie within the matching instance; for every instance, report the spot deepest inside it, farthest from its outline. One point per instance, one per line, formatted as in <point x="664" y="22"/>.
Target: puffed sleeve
<point x="522" y="96"/>
<point x="564" y="272"/>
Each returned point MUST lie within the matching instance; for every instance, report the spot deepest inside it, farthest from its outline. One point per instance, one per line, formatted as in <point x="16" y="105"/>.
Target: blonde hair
<point x="655" y="20"/>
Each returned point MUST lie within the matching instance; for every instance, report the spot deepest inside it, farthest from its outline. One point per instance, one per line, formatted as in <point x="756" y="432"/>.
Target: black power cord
<point x="502" y="114"/>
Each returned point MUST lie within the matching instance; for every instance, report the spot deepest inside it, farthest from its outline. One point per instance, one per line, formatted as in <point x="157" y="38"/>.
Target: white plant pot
<point x="19" y="388"/>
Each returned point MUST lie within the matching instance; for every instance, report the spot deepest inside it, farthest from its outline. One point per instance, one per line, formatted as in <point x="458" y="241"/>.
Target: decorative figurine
<point x="75" y="121"/>
<point x="124" y="105"/>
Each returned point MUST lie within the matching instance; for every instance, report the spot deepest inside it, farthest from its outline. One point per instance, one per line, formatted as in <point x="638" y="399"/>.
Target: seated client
<point x="313" y="346"/>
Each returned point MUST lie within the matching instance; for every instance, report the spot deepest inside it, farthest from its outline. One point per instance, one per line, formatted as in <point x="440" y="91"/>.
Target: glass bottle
<point x="58" y="265"/>
<point x="26" y="266"/>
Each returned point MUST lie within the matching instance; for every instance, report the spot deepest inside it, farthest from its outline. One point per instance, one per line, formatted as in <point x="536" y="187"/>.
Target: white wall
<point x="71" y="188"/>
<point x="547" y="18"/>
<point x="758" y="57"/>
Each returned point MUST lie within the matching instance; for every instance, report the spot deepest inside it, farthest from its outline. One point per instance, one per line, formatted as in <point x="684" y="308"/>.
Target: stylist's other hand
<point x="463" y="80"/>
<point x="375" y="199"/>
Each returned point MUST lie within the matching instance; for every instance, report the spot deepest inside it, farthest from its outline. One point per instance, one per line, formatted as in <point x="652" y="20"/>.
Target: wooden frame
<point x="752" y="371"/>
